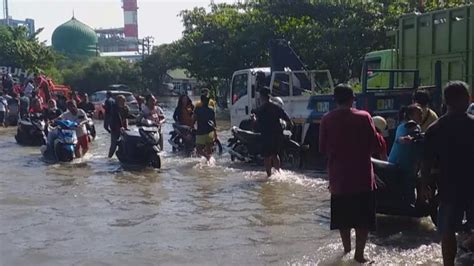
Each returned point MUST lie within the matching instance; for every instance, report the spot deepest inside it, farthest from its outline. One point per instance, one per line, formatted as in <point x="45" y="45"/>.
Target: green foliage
<point x="154" y="67"/>
<point x="327" y="34"/>
<point x="17" y="48"/>
<point x="95" y="74"/>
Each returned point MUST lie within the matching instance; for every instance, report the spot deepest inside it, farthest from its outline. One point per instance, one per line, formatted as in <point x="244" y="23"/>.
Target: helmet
<point x="380" y="123"/>
<point x="470" y="110"/>
<point x="278" y="101"/>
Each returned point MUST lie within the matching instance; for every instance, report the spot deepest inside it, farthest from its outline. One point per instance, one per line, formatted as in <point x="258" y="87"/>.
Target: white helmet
<point x="278" y="101"/>
<point x="380" y="123"/>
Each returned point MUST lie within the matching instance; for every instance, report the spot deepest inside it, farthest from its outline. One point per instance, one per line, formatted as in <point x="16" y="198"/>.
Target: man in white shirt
<point x="29" y="88"/>
<point x="79" y="116"/>
<point x="3" y="109"/>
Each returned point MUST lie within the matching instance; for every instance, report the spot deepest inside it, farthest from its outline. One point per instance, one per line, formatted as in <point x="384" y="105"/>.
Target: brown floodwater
<point x="93" y="212"/>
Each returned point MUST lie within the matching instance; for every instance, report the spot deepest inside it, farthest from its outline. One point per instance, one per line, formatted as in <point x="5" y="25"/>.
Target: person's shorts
<point x="205" y="139"/>
<point x="451" y="216"/>
<point x="83" y="142"/>
<point x="353" y="211"/>
<point x="271" y="145"/>
<point x="2" y="117"/>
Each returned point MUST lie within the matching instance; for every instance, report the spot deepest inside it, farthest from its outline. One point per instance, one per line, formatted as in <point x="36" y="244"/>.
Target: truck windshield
<point x="239" y="87"/>
<point x="301" y="83"/>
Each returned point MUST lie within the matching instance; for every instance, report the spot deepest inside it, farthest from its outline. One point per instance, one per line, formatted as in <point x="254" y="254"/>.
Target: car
<point x="98" y="99"/>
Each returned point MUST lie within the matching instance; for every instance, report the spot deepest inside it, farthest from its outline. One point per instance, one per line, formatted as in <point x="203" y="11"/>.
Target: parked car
<point x="98" y="99"/>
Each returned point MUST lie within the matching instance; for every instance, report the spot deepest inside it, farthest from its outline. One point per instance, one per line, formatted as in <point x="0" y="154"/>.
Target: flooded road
<point x="92" y="212"/>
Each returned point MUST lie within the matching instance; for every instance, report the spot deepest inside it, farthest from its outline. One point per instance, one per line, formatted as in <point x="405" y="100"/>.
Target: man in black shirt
<point x="450" y="143"/>
<point x="269" y="125"/>
<point x="108" y="105"/>
<point x="205" y="118"/>
<point x="86" y="105"/>
<point x="118" y="122"/>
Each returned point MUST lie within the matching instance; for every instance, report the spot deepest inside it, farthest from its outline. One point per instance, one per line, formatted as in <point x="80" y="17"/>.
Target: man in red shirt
<point x="348" y="137"/>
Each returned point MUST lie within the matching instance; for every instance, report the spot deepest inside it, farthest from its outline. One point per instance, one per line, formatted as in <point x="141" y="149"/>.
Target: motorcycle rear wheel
<point x="434" y="205"/>
<point x="218" y="146"/>
<point x="292" y="159"/>
<point x="155" y="161"/>
<point x="61" y="155"/>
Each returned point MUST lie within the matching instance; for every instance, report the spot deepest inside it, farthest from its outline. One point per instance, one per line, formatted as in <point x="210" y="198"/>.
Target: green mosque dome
<point x="75" y="37"/>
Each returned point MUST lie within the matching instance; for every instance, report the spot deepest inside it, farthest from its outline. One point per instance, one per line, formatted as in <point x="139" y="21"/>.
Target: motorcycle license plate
<point x="150" y="129"/>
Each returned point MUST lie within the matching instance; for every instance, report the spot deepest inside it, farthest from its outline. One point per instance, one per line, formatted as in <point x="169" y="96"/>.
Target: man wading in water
<point x="206" y="132"/>
<point x="269" y="125"/>
<point x="348" y="137"/>
<point x="450" y="142"/>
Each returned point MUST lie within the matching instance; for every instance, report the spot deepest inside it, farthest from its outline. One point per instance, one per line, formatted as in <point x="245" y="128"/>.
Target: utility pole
<point x="147" y="43"/>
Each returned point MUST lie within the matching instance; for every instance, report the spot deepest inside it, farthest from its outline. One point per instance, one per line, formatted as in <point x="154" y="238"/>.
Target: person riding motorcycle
<point x="212" y="104"/>
<point x="35" y="106"/>
<point x="406" y="150"/>
<point x="183" y="114"/>
<point x="380" y="125"/>
<point x="80" y="117"/>
<point x="52" y="112"/>
<point x="85" y="104"/>
<point x="154" y="113"/>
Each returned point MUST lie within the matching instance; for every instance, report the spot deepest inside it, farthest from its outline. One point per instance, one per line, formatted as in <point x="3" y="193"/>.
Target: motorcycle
<point x="31" y="131"/>
<point x="246" y="145"/>
<point x="393" y="198"/>
<point x="64" y="142"/>
<point x="91" y="132"/>
<point x="140" y="147"/>
<point x="183" y="139"/>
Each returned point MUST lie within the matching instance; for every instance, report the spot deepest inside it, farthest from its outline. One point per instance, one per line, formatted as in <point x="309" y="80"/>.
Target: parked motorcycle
<point x="183" y="139"/>
<point x="392" y="196"/>
<point x="246" y="145"/>
<point x="31" y="131"/>
<point x="64" y="142"/>
<point x="140" y="147"/>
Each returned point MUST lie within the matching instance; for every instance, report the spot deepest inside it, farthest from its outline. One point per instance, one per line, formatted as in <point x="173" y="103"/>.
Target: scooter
<point x="31" y="131"/>
<point x="140" y="147"/>
<point x="91" y="132"/>
<point x="64" y="143"/>
<point x="246" y="145"/>
<point x="393" y="198"/>
<point x="183" y="139"/>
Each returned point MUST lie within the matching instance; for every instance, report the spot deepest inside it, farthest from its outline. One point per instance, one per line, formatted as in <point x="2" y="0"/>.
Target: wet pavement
<point x="93" y="212"/>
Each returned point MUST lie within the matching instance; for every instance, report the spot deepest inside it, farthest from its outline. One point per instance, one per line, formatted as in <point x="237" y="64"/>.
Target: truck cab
<point x="384" y="59"/>
<point x="303" y="92"/>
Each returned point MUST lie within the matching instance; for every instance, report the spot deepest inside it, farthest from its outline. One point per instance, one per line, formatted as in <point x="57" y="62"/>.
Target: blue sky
<point x="157" y="18"/>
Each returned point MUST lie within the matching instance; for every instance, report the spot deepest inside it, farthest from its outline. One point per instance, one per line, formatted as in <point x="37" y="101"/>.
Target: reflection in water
<point x="94" y="212"/>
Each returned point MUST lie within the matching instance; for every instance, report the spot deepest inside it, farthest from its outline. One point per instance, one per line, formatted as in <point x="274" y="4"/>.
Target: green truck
<point x="439" y="44"/>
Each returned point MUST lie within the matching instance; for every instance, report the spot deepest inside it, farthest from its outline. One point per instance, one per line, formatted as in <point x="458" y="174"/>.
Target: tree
<point x="17" y="48"/>
<point x="155" y="66"/>
<point x="98" y="73"/>
<point x="327" y="34"/>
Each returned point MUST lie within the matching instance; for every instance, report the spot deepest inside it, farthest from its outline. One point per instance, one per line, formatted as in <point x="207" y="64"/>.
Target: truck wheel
<point x="155" y="161"/>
